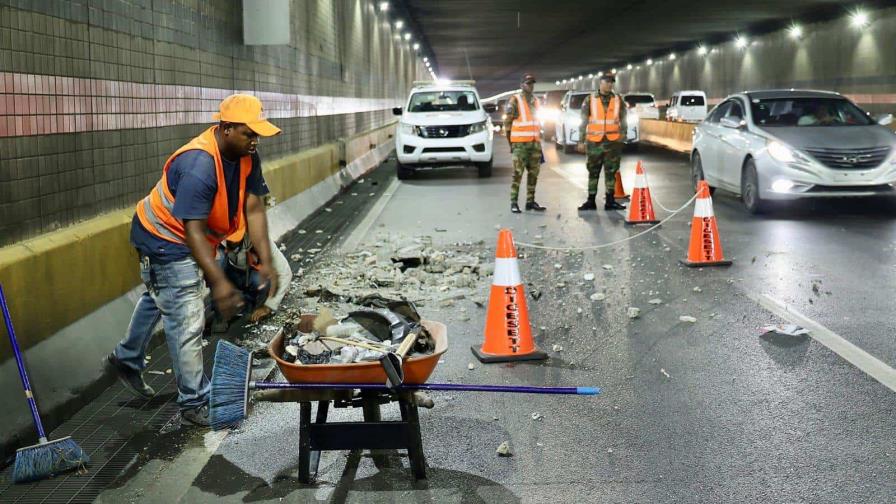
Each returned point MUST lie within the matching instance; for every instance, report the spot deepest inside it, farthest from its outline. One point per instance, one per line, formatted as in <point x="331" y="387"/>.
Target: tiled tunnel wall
<point x="859" y="62"/>
<point x="95" y="94"/>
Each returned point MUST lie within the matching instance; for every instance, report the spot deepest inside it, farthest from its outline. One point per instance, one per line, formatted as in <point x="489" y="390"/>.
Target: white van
<point x="687" y="106"/>
<point x="443" y="124"/>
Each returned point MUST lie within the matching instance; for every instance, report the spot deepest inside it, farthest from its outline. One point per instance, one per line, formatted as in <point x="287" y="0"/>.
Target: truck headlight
<point x="477" y="128"/>
<point x="408" y="129"/>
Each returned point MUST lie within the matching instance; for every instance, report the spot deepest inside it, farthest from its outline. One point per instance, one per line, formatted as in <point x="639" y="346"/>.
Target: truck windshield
<point x="638" y="99"/>
<point x="440" y="101"/>
<point x="807" y="112"/>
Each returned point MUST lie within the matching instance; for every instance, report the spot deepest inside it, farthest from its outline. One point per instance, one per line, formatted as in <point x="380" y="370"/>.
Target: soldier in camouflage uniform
<point x="606" y="153"/>
<point x="525" y="144"/>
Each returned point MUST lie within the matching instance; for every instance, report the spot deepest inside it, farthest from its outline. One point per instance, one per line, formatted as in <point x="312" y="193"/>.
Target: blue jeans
<point x="175" y="294"/>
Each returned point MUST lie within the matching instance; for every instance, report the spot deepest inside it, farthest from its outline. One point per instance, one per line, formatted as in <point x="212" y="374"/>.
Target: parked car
<point x="570" y="120"/>
<point x="790" y="144"/>
<point x="443" y="124"/>
<point x="687" y="106"/>
<point x="642" y="103"/>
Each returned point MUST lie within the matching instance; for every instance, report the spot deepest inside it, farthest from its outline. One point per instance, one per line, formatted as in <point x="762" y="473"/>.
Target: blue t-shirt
<point x="193" y="182"/>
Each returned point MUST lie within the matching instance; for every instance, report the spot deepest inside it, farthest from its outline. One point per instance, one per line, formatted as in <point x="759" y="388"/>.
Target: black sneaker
<point x="195" y="416"/>
<point x="612" y="204"/>
<point x="515" y="208"/>
<point x="131" y="378"/>
<point x="532" y="205"/>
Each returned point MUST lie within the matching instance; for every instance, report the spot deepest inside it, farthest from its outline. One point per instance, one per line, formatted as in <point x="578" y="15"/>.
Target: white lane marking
<point x="859" y="358"/>
<point x="867" y="363"/>
<point x="361" y="230"/>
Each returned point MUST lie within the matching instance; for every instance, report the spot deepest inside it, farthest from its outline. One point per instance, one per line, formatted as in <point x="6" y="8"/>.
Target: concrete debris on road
<point x="785" y="330"/>
<point x="698" y="289"/>
<point x="589" y="277"/>
<point x="663" y="371"/>
<point x="557" y="348"/>
<point x="295" y="258"/>
<point x="687" y="318"/>
<point x="607" y="267"/>
<point x="633" y="312"/>
<point x="656" y="301"/>
<point x="598" y="296"/>
<point x="471" y="366"/>
<point x="504" y="450"/>
<point x="537" y="416"/>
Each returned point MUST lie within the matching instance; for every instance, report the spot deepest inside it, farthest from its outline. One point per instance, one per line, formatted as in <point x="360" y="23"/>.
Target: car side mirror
<point x="396" y="111"/>
<point x="731" y="123"/>
<point x="885" y="120"/>
<point x="490" y="107"/>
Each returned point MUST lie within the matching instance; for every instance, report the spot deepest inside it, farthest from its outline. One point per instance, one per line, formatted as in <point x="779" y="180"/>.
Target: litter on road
<point x="785" y="330"/>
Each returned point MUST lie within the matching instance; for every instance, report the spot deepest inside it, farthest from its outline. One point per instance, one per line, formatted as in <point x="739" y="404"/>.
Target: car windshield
<point x="691" y="101"/>
<point x="575" y="101"/>
<point x="440" y="101"/>
<point x="638" y="99"/>
<point x="807" y="112"/>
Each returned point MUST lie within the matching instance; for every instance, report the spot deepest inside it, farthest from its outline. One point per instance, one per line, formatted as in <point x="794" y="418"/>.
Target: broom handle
<point x="519" y="389"/>
<point x="21" y="363"/>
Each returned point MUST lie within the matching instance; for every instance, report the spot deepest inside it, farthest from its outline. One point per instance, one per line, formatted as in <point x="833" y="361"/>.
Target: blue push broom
<point x="233" y="365"/>
<point x="46" y="458"/>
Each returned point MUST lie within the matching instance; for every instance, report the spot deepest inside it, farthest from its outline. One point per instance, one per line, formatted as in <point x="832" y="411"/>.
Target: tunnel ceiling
<point x="555" y="39"/>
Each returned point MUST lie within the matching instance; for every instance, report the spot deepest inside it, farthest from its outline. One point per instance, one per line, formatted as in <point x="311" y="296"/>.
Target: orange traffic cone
<point x="640" y="210"/>
<point x="705" y="248"/>
<point x="620" y="190"/>
<point x="508" y="336"/>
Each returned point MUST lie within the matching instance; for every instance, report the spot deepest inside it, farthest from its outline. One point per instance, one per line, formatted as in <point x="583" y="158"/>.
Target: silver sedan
<point x="790" y="144"/>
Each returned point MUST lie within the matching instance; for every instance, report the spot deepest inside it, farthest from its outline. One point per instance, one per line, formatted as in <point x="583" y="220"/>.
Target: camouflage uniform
<point x="605" y="153"/>
<point x="526" y="155"/>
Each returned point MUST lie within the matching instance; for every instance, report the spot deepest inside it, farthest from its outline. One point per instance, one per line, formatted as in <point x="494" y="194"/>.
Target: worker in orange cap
<point x="205" y="186"/>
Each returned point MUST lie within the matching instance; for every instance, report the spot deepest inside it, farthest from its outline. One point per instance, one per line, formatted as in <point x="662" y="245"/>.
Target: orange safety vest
<point x="154" y="211"/>
<point x="524" y="128"/>
<point x="602" y="122"/>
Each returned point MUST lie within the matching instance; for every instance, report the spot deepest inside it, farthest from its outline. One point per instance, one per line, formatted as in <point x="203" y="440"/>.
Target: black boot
<point x="532" y="205"/>
<point x="611" y="203"/>
<point x="589" y="204"/>
<point x="515" y="208"/>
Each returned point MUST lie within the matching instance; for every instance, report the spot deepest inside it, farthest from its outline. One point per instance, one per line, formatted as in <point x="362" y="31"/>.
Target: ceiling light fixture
<point x="649" y="61"/>
<point x="384" y="6"/>
<point x="859" y="19"/>
<point x="590" y="76"/>
<point x="701" y="50"/>
<point x="416" y="46"/>
<point x="672" y="57"/>
<point x="399" y="24"/>
<point x="407" y="36"/>
<point x="613" y="70"/>
<point x="629" y="66"/>
<point x="795" y="31"/>
<point x="740" y="41"/>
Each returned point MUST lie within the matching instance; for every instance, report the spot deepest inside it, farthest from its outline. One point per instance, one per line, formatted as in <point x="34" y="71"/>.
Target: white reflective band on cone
<point x="641" y="181"/>
<point x="703" y="208"/>
<point x="507" y="272"/>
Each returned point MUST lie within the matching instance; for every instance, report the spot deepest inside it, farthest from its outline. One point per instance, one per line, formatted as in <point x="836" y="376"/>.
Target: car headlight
<point x="408" y="129"/>
<point x="781" y="152"/>
<point x="477" y="128"/>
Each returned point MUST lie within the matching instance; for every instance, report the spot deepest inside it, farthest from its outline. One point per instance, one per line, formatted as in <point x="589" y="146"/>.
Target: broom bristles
<point x="48" y="459"/>
<point x="229" y="386"/>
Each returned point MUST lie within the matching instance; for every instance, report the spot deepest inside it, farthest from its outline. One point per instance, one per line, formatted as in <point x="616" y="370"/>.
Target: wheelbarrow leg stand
<point x="309" y="460"/>
<point x="408" y="406"/>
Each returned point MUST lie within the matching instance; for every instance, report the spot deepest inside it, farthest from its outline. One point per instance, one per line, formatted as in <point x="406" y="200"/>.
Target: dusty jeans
<point x="175" y="293"/>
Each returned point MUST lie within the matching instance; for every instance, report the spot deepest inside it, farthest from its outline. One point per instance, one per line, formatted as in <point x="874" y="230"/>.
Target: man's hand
<point x="227" y="299"/>
<point x="268" y="279"/>
<point x="260" y="313"/>
<point x="580" y="147"/>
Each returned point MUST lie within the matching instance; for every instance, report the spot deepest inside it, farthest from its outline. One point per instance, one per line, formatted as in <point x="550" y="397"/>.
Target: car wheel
<point x="749" y="188"/>
<point x="697" y="172"/>
<point x="485" y="169"/>
<point x="404" y="172"/>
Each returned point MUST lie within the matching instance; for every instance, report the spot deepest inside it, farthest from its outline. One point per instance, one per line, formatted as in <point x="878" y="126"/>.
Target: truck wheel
<point x="485" y="169"/>
<point x="404" y="172"/>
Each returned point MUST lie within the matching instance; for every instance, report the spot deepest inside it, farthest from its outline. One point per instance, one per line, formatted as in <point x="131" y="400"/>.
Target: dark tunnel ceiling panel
<point x="560" y="38"/>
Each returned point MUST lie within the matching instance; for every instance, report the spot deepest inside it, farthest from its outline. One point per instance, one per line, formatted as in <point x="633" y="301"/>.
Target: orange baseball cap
<point x="246" y="109"/>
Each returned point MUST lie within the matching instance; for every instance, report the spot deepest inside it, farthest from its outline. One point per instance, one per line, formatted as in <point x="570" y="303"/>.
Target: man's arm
<point x="509" y="115"/>
<point x="257" y="227"/>
<point x="227" y="298"/>
<point x="585" y="114"/>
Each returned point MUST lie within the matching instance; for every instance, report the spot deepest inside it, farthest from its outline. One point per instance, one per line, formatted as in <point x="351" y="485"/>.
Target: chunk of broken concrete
<point x="687" y="318"/>
<point x="633" y="312"/>
<point x="504" y="450"/>
<point x="598" y="296"/>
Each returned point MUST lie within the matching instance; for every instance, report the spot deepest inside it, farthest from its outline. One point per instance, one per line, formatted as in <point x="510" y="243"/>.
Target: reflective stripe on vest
<point x="524" y="128"/>
<point x="155" y="210"/>
<point x="603" y="123"/>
